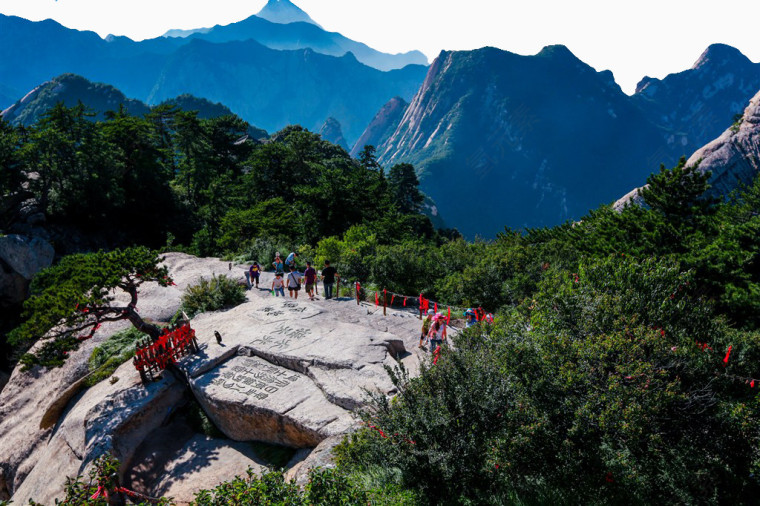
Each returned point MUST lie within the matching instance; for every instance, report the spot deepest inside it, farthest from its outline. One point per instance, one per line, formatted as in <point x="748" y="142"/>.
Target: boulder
<point x="32" y="402"/>
<point x="289" y="371"/>
<point x="306" y="460"/>
<point x="251" y="399"/>
<point x="20" y="259"/>
<point x="25" y="400"/>
<point x="203" y="463"/>
<point x="111" y="417"/>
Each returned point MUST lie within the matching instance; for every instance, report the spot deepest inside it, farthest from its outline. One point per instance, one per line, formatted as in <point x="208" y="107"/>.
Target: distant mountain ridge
<point x="733" y="159"/>
<point x="529" y="141"/>
<point x="301" y="35"/>
<point x="695" y="106"/>
<point x="284" y="12"/>
<point x="70" y="89"/>
<point x="497" y="142"/>
<point x="266" y="87"/>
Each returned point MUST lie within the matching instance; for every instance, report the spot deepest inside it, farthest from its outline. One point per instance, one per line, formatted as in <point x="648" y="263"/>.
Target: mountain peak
<point x="558" y="51"/>
<point x="284" y="12"/>
<point x="719" y="55"/>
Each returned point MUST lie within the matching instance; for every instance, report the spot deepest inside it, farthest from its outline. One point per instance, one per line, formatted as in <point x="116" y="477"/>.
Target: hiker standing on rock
<point x="426" y="326"/>
<point x="310" y="277"/>
<point x="278" y="285"/>
<point x="294" y="282"/>
<point x="255" y="272"/>
<point x="328" y="278"/>
<point x="437" y="332"/>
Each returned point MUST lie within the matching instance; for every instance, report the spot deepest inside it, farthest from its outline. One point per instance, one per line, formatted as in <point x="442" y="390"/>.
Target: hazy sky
<point x="631" y="38"/>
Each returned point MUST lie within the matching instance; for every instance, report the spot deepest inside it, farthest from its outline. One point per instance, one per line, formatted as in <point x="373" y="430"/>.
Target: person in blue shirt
<point x="291" y="260"/>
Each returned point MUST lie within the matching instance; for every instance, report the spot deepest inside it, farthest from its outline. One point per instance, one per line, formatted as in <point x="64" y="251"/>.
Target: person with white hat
<point x="426" y="326"/>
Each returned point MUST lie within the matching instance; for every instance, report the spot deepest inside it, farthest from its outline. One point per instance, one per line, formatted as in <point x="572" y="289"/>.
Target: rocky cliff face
<point x="332" y="132"/>
<point x="502" y="139"/>
<point x="694" y="106"/>
<point x="287" y="372"/>
<point x="20" y="259"/>
<point x="733" y="159"/>
<point x="382" y="125"/>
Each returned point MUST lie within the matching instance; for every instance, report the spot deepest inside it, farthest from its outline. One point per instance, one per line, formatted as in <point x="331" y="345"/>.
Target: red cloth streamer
<point x="752" y="384"/>
<point x="404" y="301"/>
<point x="728" y="353"/>
<point x="393" y="296"/>
<point x="377" y="429"/>
<point x="436" y="354"/>
<point x="448" y="317"/>
<point x="377" y="299"/>
<point x="436" y="307"/>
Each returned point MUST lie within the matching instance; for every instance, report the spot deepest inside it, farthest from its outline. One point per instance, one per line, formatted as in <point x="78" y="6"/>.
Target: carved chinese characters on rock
<point x="274" y="310"/>
<point x="281" y="336"/>
<point x="255" y="378"/>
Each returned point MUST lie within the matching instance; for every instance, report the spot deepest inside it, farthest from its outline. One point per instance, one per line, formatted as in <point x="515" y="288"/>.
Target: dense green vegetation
<point x="623" y="363"/>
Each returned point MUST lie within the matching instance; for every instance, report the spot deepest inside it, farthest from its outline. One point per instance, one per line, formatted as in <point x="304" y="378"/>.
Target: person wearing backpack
<point x="294" y="282"/>
<point x="254" y="273"/>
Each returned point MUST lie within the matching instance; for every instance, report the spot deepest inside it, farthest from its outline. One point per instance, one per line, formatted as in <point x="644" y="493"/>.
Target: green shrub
<point x="325" y="487"/>
<point x="219" y="292"/>
<point x="113" y="352"/>
<point x="609" y="387"/>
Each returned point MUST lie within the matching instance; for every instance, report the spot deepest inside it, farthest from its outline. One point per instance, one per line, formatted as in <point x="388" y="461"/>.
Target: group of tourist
<point x="294" y="278"/>
<point x="433" y="326"/>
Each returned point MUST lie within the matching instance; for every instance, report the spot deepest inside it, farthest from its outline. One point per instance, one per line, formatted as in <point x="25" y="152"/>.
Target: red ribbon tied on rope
<point x="728" y="353"/>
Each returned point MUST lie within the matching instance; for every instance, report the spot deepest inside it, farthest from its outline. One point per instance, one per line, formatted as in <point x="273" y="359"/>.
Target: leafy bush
<point x="220" y="292"/>
<point x="609" y="387"/>
<point x="326" y="487"/>
<point x="116" y="350"/>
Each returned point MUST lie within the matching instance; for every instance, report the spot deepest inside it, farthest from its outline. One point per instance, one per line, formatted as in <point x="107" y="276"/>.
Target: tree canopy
<point x="71" y="299"/>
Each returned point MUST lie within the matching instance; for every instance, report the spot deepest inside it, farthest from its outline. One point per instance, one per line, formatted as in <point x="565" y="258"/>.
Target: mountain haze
<point x="266" y="87"/>
<point x="284" y="12"/>
<point x="283" y="87"/>
<point x="301" y="35"/>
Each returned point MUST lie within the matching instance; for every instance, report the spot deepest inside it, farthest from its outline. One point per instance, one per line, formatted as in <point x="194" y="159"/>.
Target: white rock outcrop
<point x="289" y="372"/>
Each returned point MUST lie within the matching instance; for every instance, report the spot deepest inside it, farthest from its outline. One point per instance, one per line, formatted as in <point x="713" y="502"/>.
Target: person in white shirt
<point x="294" y="282"/>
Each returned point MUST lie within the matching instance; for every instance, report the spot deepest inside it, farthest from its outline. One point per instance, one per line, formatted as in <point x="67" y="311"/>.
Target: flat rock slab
<point x="203" y="463"/>
<point x="251" y="399"/>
